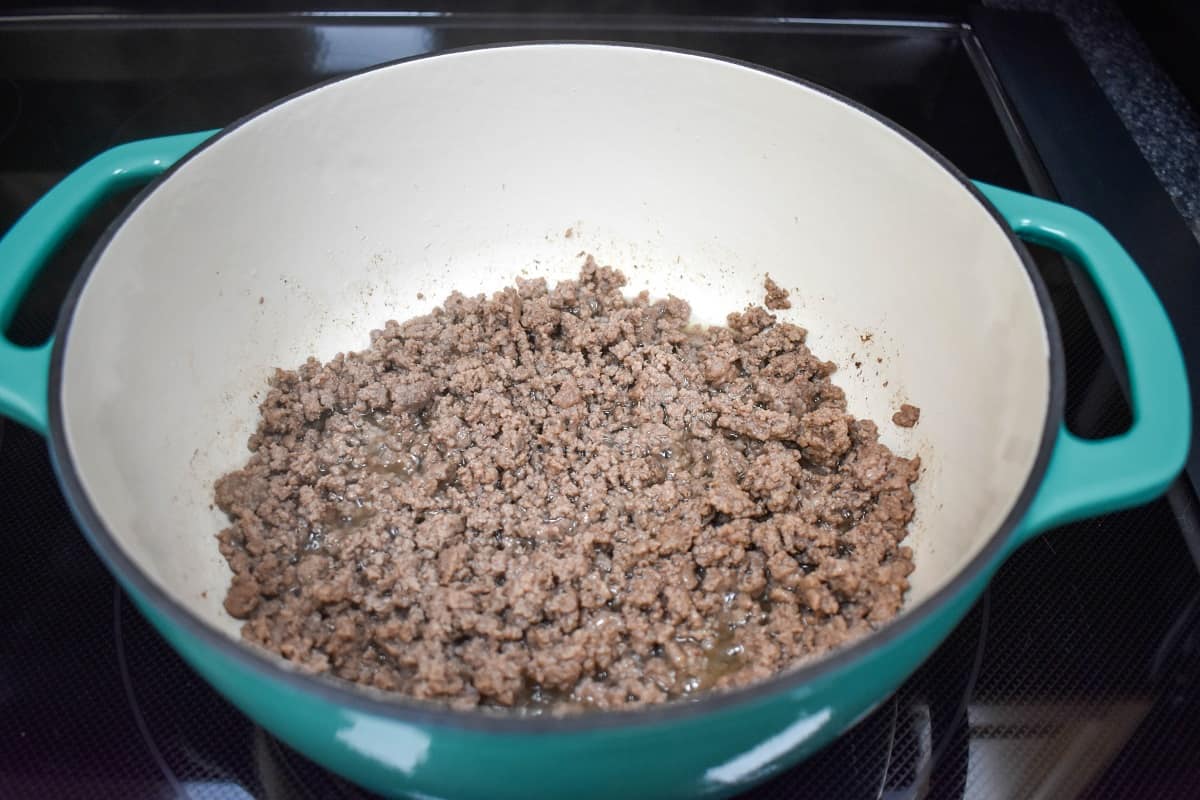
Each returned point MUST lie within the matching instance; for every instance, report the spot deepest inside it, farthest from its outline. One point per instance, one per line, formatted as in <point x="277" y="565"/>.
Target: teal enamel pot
<point x="300" y="228"/>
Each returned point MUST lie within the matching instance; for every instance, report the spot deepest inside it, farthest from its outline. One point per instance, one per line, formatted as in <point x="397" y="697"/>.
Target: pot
<point x="298" y="229"/>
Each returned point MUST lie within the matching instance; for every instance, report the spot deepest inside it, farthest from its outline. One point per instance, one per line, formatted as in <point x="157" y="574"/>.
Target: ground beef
<point x="777" y="298"/>
<point x="907" y="416"/>
<point x="562" y="498"/>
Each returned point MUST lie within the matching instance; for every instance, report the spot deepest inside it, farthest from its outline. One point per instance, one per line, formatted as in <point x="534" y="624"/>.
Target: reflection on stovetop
<point x="1078" y="673"/>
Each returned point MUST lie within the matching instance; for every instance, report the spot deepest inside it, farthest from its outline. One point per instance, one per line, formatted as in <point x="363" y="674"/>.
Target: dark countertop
<point x="1159" y="117"/>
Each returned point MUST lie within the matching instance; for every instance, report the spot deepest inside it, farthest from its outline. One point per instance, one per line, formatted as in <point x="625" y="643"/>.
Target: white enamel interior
<point x="305" y="228"/>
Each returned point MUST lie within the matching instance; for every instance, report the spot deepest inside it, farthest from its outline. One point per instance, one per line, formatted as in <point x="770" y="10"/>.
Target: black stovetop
<point x="1078" y="673"/>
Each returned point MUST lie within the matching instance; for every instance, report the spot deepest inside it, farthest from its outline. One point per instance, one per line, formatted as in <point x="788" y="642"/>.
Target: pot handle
<point x="24" y="371"/>
<point x="1086" y="477"/>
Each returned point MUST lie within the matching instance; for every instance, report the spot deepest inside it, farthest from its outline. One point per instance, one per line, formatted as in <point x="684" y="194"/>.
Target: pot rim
<point x="344" y="694"/>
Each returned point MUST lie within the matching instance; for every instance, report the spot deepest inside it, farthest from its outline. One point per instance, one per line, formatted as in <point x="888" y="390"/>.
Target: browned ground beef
<point x="777" y="298"/>
<point x="564" y="498"/>
<point x="907" y="416"/>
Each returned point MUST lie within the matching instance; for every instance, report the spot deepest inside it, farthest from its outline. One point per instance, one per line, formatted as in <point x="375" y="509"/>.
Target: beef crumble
<point x="907" y="416"/>
<point x="777" y="298"/>
<point x="563" y="498"/>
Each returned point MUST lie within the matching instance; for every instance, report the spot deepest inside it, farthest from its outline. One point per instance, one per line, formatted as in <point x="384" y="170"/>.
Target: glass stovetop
<point x="1078" y="673"/>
